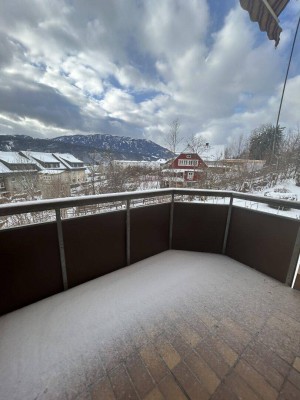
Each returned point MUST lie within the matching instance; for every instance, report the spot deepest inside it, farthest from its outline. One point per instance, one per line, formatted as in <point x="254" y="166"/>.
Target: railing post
<point x="294" y="260"/>
<point x="171" y="222"/>
<point x="227" y="225"/>
<point x="61" y="249"/>
<point x="128" y="231"/>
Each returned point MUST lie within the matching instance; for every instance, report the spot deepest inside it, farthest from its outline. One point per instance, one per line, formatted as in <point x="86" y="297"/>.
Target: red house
<point x="185" y="170"/>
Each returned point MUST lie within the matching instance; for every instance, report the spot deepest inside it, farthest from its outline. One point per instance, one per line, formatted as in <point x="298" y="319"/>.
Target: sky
<point x="131" y="67"/>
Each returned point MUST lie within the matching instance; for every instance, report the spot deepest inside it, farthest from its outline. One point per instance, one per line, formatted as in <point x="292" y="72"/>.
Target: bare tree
<point x="196" y="143"/>
<point x="174" y="137"/>
<point x="238" y="148"/>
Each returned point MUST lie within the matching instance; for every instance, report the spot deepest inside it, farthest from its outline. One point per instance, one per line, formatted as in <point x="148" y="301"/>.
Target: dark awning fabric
<point x="259" y="12"/>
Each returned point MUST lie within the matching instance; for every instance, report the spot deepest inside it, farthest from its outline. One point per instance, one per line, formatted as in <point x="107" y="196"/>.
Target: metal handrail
<point x="58" y="204"/>
<point x="54" y="204"/>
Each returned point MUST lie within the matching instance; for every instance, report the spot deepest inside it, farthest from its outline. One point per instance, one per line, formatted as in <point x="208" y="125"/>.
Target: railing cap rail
<point x="54" y="204"/>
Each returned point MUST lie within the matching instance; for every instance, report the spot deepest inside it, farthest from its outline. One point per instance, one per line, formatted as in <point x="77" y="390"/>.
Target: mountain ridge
<point x="89" y="147"/>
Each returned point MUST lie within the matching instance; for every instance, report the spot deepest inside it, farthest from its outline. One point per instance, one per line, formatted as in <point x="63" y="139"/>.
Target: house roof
<point x="188" y="150"/>
<point x="68" y="157"/>
<point x="213" y="153"/>
<point x="3" y="169"/>
<point x="38" y="159"/>
<point x="43" y="157"/>
<point x="13" y="157"/>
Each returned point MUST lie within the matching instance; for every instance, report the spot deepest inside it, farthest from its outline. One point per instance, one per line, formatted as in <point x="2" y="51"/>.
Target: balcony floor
<point x="174" y="326"/>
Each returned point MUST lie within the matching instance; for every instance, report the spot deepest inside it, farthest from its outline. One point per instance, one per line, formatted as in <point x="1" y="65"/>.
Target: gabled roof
<point x="13" y="157"/>
<point x="68" y="157"/>
<point x="213" y="153"/>
<point x="43" y="157"/>
<point x="4" y="169"/>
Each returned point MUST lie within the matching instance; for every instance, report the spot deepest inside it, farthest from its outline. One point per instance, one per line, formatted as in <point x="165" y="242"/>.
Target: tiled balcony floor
<point x="177" y="325"/>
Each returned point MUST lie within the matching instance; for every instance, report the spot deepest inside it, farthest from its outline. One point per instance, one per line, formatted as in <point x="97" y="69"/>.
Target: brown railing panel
<point x="30" y="265"/>
<point x="94" y="246"/>
<point x="149" y="231"/>
<point x="199" y="227"/>
<point x="262" y="241"/>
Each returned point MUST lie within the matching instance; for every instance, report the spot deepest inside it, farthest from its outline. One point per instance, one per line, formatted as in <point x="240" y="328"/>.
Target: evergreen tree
<point x="265" y="141"/>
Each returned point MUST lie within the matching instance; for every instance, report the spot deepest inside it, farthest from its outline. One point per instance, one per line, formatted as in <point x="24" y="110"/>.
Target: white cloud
<point x="132" y="67"/>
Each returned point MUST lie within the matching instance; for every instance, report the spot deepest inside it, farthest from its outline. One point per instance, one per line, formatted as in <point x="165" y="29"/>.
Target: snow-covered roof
<point x="213" y="153"/>
<point x="68" y="157"/>
<point x="13" y="157"/>
<point x="3" y="169"/>
<point x="188" y="150"/>
<point x="43" y="157"/>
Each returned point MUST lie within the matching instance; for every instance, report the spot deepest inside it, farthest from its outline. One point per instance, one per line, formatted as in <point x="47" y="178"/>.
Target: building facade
<point x="186" y="170"/>
<point x="37" y="174"/>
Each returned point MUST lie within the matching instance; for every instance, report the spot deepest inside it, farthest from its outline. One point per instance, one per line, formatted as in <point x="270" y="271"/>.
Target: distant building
<point x="50" y="173"/>
<point x="185" y="170"/>
<point x="243" y="165"/>
<point x="213" y="156"/>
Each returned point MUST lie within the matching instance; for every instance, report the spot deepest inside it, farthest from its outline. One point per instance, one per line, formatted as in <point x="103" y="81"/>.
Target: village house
<point x="213" y="156"/>
<point x="38" y="173"/>
<point x="185" y="170"/>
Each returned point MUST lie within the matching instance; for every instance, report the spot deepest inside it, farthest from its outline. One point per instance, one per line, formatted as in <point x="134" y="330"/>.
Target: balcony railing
<point x="39" y="260"/>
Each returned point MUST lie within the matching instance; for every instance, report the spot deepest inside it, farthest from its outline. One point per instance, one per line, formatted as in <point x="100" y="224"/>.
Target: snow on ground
<point x="51" y="349"/>
<point x="254" y="205"/>
<point x="48" y="349"/>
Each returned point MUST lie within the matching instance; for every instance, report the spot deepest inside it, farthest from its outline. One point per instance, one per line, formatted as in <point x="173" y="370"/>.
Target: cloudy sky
<point x="130" y="67"/>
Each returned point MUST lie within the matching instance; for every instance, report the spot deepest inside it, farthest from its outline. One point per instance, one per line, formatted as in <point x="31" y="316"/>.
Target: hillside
<point x="82" y="146"/>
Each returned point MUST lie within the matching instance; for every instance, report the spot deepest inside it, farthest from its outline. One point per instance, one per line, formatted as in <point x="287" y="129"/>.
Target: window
<point x="188" y="163"/>
<point x="190" y="175"/>
<point x="188" y="156"/>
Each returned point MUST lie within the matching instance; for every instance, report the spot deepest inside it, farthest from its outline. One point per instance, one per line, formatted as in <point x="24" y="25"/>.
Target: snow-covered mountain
<point x="82" y="146"/>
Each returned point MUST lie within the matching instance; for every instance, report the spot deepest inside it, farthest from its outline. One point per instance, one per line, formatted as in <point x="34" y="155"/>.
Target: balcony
<point x="173" y="300"/>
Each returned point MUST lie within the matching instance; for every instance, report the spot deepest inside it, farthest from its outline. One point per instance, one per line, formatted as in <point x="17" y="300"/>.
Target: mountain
<point x="82" y="146"/>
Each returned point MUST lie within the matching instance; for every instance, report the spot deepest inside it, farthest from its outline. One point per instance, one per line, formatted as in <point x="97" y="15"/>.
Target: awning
<point x="266" y="13"/>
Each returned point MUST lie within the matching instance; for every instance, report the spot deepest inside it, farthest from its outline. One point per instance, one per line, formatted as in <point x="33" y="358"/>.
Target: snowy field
<point x="52" y="349"/>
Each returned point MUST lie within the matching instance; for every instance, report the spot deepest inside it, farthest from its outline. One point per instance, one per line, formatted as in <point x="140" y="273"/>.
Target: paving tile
<point x="156" y="366"/>
<point x="213" y="359"/>
<point x="296" y="364"/>
<point x="188" y="333"/>
<point x="203" y="372"/>
<point x="167" y="351"/>
<point x="280" y="339"/>
<point x="262" y="366"/>
<point x="270" y="357"/>
<point x="189" y="383"/>
<point x="170" y="389"/>
<point x="289" y="392"/>
<point x="121" y="384"/>
<point x="179" y="344"/>
<point x="234" y="334"/>
<point x="207" y="319"/>
<point x="228" y="354"/>
<point x="223" y="393"/>
<point x="102" y="391"/>
<point x="155" y="394"/>
<point x="294" y="378"/>
<point x="258" y="384"/>
<point x="139" y="375"/>
<point x="195" y="322"/>
<point x="239" y="387"/>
